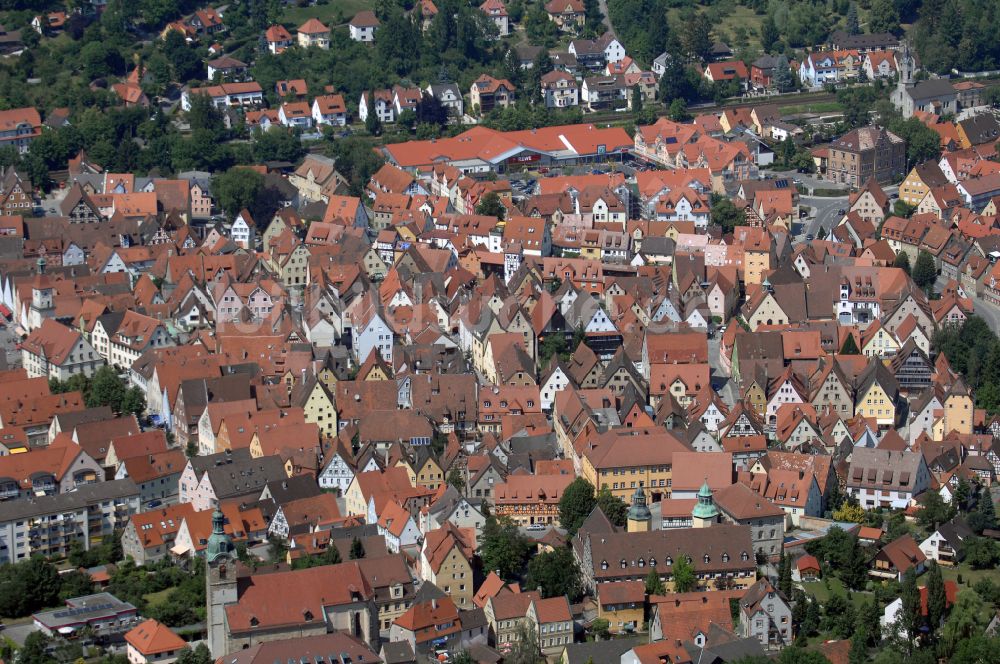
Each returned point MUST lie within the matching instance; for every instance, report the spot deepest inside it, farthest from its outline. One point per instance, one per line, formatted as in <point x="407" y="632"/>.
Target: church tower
<point x="705" y="513"/>
<point x="220" y="587"/>
<point x="42" y="295"/>
<point x="639" y="518"/>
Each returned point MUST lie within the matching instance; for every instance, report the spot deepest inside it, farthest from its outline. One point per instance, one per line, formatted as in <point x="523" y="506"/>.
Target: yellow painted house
<point x="422" y="470"/>
<point x="878" y="342"/>
<point x="621" y="463"/>
<point x="876" y="395"/>
<point x="318" y="405"/>
<point x="919" y="181"/>
<point x="765" y="311"/>
<point x="958" y="410"/>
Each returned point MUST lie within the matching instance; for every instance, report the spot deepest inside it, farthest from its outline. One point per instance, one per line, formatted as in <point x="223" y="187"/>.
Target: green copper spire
<point x="219" y="544"/>
<point x="705" y="509"/>
<point x="638" y="511"/>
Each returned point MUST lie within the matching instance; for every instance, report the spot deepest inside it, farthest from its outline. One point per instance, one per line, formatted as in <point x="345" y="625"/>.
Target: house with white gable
<point x="787" y="388"/>
<point x="369" y="331"/>
<point x="244" y="230"/>
<point x="329" y="110"/>
<point x="338" y="472"/>
<point x="395" y="524"/>
<point x="553" y="382"/>
<point x="454" y="508"/>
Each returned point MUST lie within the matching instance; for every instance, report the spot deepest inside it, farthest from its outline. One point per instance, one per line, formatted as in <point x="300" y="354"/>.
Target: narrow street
<point x="603" y="4"/>
<point x="988" y="312"/>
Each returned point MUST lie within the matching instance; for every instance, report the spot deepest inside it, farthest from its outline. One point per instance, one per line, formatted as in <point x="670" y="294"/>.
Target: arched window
<point x="744" y="557"/>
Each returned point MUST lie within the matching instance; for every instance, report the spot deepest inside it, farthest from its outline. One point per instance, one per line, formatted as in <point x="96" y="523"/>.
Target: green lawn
<point x="817" y="107"/>
<point x="726" y="18"/>
<point x="336" y="12"/>
<point x="157" y="598"/>
<point x="819" y="591"/>
<point x="969" y="575"/>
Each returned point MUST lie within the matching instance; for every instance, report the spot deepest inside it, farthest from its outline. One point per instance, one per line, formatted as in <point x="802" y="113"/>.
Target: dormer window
<point x="604" y="564"/>
<point x="725" y="557"/>
<point x="670" y="561"/>
<point x="707" y="559"/>
<point x="642" y="563"/>
<point x="744" y="556"/>
<point x="624" y="564"/>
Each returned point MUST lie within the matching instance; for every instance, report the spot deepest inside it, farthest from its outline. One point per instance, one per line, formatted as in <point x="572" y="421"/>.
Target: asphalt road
<point x="18" y="633"/>
<point x="988" y="312"/>
<point x="825" y="214"/>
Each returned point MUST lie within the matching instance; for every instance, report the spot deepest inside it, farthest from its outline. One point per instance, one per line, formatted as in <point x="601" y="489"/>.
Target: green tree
<point x="697" y="36"/>
<point x="503" y="548"/>
<point x="783" y="79"/>
<point x="902" y="261"/>
<point x="463" y="658"/>
<point x="883" y="17"/>
<point x="491" y="205"/>
<point x="203" y="114"/>
<point x="937" y="601"/>
<point x="850" y="346"/>
<point x="613" y="507"/>
<point x="903" y="209"/>
<point x="685" y="579"/>
<point x="960" y="500"/>
<point x="373" y="125"/>
<point x="678" y="111"/>
<point x="981" y="552"/>
<point x="785" y="575"/>
<point x="769" y="34"/>
<point x="924" y="272"/>
<point x="909" y="616"/>
<point x="986" y="510"/>
<point x="576" y="504"/>
<point x="236" y="189"/>
<point x="556" y="574"/>
<point x="849" y="511"/>
<point x="75" y="584"/>
<point x="725" y="214"/>
<point x="199" y="655"/>
<point x="524" y="646"/>
<point x="966" y="620"/>
<point x="34" y="649"/>
<point x="456" y="479"/>
<point x="934" y="510"/>
<point x="356" y="161"/>
<point x="357" y="549"/>
<point x="277" y="145"/>
<point x="636" y="100"/>
<point x="851" y="25"/>
<point x="654" y="585"/>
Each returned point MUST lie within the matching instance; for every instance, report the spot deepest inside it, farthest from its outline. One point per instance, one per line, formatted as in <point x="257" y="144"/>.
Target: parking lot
<point x="8" y="343"/>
